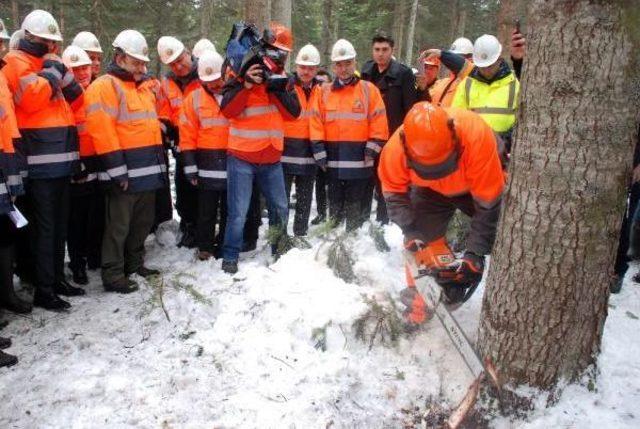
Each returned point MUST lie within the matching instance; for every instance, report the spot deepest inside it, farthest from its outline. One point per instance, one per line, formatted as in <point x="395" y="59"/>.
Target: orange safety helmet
<point x="428" y="135"/>
<point x="279" y="36"/>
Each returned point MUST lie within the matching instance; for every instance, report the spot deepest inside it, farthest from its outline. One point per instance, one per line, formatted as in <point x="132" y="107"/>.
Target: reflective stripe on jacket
<point x="124" y="127"/>
<point x="204" y="132"/>
<point x="496" y="102"/>
<point x="297" y="157"/>
<point x="10" y="161"/>
<point x="172" y="98"/>
<point x="443" y="90"/>
<point x="259" y="126"/>
<point x="478" y="174"/>
<point x="44" y="118"/>
<point x="348" y="126"/>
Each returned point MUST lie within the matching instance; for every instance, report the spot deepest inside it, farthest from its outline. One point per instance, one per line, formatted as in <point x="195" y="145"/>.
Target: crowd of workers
<point x="85" y="151"/>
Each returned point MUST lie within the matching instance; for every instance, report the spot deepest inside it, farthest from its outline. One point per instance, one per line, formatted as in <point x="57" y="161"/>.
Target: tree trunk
<point x="205" y="18"/>
<point x="399" y="22"/>
<point x="282" y="12"/>
<point x="60" y="17"/>
<point x="458" y="20"/>
<point x="509" y="12"/>
<point x="456" y="7"/>
<point x="327" y="19"/>
<point x="96" y="20"/>
<point x="15" y="14"/>
<point x="258" y="12"/>
<point x="411" y="31"/>
<point x="548" y="284"/>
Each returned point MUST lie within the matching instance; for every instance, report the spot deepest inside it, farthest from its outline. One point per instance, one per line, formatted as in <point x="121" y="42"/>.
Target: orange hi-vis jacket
<point x="44" y="118"/>
<point x="123" y="125"/>
<point x="88" y="158"/>
<point x="172" y="97"/>
<point x="297" y="157"/>
<point x="10" y="161"/>
<point x="204" y="133"/>
<point x="348" y="127"/>
<point x="478" y="175"/>
<point x="444" y="89"/>
<point x="259" y="126"/>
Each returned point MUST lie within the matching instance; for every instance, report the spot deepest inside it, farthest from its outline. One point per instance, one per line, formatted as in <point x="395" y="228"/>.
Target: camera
<point x="271" y="59"/>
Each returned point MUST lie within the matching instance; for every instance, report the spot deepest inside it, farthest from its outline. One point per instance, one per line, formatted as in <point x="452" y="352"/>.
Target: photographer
<point x="256" y="103"/>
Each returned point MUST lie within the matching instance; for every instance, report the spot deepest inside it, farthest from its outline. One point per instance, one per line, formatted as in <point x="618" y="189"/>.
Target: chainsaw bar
<point x="431" y="293"/>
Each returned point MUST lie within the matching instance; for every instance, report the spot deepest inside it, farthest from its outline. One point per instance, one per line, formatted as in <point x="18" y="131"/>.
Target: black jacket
<point x="398" y="88"/>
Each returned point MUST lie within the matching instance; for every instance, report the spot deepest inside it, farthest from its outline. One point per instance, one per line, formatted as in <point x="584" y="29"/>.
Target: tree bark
<point x="411" y="32"/>
<point x="509" y="12"/>
<point x="205" y="18"/>
<point x="327" y="24"/>
<point x="15" y="14"/>
<point x="399" y="22"/>
<point x="547" y="289"/>
<point x="258" y="12"/>
<point x="281" y="12"/>
<point x="458" y="20"/>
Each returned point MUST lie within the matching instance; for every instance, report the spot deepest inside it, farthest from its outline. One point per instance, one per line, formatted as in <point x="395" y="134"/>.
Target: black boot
<point x="7" y="359"/>
<point x="5" y="343"/>
<point x="230" y="267"/>
<point x="8" y="297"/>
<point x="188" y="238"/>
<point x="146" y="272"/>
<point x="123" y="285"/>
<point x="63" y="287"/>
<point x="48" y="300"/>
<point x="80" y="276"/>
<point x="249" y="246"/>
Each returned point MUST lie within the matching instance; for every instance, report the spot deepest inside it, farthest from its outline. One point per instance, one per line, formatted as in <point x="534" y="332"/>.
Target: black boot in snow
<point x="7" y="359"/>
<point x="230" y="267"/>
<point x="80" y="276"/>
<point x="47" y="299"/>
<point x="8" y="297"/>
<point x="5" y="343"/>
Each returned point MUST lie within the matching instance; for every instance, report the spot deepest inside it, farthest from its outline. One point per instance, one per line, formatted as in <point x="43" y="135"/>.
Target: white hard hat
<point x="308" y="56"/>
<point x="133" y="44"/>
<point x="201" y="46"/>
<point x="342" y="50"/>
<point x="74" y="56"/>
<point x="169" y="48"/>
<point x="15" y="39"/>
<point x="3" y="31"/>
<point x="87" y="41"/>
<point x="210" y="66"/>
<point x="462" y="46"/>
<point x="486" y="50"/>
<point x="40" y="23"/>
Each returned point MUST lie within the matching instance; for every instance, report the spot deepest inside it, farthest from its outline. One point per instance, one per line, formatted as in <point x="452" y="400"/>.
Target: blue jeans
<point x="240" y="177"/>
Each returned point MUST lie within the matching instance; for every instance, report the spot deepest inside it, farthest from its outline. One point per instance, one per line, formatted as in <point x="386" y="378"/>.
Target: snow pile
<point x="243" y="351"/>
<point x="271" y="347"/>
<point x="614" y="400"/>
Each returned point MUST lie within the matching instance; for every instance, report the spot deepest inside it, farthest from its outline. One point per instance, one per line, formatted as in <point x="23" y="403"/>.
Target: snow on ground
<point x="243" y="356"/>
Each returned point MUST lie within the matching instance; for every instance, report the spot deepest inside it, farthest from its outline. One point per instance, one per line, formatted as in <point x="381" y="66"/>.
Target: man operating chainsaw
<point x="440" y="160"/>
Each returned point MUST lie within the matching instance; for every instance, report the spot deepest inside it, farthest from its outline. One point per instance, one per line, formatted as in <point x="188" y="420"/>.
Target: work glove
<point x="71" y="89"/>
<point x="459" y="284"/>
<point x="471" y="269"/>
<point x="53" y="71"/>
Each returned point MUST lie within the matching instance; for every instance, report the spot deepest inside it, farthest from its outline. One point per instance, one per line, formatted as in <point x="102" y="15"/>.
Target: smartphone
<point x="517" y="25"/>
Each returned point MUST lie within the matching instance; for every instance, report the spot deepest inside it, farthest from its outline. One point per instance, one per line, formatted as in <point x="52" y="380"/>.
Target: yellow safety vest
<point x="495" y="102"/>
